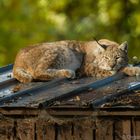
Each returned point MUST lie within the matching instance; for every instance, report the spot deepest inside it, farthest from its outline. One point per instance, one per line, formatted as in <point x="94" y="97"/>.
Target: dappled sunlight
<point x="43" y="3"/>
<point x="29" y="22"/>
<point x="58" y="19"/>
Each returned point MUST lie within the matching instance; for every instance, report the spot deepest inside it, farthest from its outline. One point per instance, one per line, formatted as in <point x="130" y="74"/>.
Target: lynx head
<point x="112" y="57"/>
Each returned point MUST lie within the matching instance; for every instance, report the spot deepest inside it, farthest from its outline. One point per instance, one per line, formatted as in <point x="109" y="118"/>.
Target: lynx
<point x="58" y="59"/>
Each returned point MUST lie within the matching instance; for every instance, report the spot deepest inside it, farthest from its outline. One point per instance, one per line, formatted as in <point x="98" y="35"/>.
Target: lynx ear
<point x="124" y="46"/>
<point x="101" y="46"/>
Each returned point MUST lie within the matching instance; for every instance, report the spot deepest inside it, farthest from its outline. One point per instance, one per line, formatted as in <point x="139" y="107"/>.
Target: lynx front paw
<point x="132" y="71"/>
<point x="69" y="74"/>
<point x="137" y="71"/>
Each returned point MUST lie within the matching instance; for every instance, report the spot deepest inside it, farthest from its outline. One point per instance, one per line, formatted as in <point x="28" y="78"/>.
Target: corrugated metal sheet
<point x="89" y="92"/>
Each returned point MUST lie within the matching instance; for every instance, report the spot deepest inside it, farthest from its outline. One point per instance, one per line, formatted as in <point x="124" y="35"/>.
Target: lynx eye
<point x="117" y="57"/>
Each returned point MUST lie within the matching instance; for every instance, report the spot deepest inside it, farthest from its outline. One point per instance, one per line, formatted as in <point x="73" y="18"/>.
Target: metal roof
<point x="85" y="92"/>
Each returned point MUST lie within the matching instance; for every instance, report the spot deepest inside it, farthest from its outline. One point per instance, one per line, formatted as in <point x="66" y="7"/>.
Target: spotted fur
<point x="47" y="61"/>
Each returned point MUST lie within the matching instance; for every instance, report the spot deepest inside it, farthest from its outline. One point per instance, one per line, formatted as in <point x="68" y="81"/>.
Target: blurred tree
<point x="27" y="22"/>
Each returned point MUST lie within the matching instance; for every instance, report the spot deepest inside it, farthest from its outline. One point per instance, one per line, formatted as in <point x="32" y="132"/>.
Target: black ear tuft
<point x="102" y="45"/>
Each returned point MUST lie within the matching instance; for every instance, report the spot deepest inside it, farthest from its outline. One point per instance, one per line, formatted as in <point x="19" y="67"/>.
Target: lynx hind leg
<point x="132" y="71"/>
<point x="50" y="74"/>
<point x="21" y="75"/>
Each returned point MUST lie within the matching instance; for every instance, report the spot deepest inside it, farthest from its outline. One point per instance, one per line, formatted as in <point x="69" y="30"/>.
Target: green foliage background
<point x="24" y="22"/>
